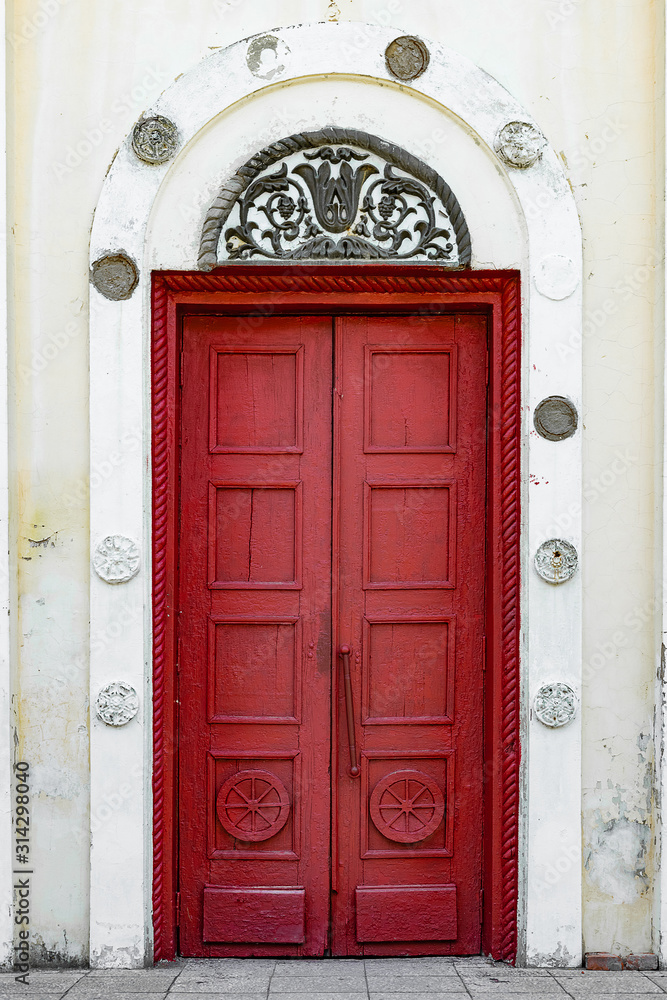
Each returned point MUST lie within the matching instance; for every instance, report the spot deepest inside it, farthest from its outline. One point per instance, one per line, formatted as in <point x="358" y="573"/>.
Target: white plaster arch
<point x="136" y="214"/>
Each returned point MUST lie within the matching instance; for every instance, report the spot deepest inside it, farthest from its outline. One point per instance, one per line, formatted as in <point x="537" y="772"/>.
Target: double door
<point x="331" y="634"/>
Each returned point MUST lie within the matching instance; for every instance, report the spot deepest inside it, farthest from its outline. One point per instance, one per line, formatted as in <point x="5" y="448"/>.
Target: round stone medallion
<point x="155" y="140"/>
<point x="407" y="806"/>
<point x="519" y="144"/>
<point x="115" y="276"/>
<point x="556" y="277"/>
<point x="116" y="559"/>
<point x="267" y="57"/>
<point x="407" y="57"/>
<point x="117" y="703"/>
<point x="556" y="561"/>
<point x="253" y="805"/>
<point x="555" y="705"/>
<point x="555" y="418"/>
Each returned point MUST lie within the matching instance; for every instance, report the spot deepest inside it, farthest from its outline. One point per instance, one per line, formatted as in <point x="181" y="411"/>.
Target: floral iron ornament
<point x="337" y="194"/>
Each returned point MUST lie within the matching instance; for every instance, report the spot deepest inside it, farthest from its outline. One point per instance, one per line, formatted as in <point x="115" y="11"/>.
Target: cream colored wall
<point x="82" y="73"/>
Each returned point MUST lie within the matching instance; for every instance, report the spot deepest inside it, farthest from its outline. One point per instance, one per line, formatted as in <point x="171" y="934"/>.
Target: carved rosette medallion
<point x="116" y="559"/>
<point x="556" y="561"/>
<point x="555" y="705"/>
<point x="115" y="276"/>
<point x="117" y="704"/>
<point x="253" y="805"/>
<point x="519" y="144"/>
<point x="337" y="194"/>
<point x="155" y="140"/>
<point x="407" y="57"/>
<point x="407" y="806"/>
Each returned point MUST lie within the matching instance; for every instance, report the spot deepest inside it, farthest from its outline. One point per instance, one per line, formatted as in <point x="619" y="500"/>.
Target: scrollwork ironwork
<point x="352" y="196"/>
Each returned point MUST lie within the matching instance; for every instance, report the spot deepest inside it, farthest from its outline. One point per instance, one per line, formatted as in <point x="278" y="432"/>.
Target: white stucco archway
<point x="225" y="108"/>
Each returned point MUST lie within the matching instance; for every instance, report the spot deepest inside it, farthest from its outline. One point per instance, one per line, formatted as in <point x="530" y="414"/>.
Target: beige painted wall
<point x="80" y="74"/>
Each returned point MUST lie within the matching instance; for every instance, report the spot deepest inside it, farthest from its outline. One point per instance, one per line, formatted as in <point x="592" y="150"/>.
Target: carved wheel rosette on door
<point x="407" y="806"/>
<point x="253" y="805"/>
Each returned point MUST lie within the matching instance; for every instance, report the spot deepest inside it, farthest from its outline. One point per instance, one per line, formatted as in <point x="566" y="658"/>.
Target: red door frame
<point x="257" y="291"/>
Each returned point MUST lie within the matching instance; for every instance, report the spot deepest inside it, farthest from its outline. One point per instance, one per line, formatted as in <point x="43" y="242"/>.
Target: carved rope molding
<point x="228" y="281"/>
<point x="510" y="407"/>
<point x="232" y="190"/>
<point x="161" y="736"/>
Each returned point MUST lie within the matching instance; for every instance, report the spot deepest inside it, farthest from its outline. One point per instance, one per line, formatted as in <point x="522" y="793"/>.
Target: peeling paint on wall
<point x="615" y="858"/>
<point x="619" y="845"/>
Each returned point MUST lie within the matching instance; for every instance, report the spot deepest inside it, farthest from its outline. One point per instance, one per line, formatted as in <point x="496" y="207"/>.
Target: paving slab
<point x="221" y="996"/>
<point x="320" y="967"/>
<point x="580" y="983"/>
<point x="599" y="975"/>
<point x="499" y="970"/>
<point x="330" y="983"/>
<point x="509" y="995"/>
<point x="633" y="995"/>
<point x="228" y="966"/>
<point x="397" y="983"/>
<point x="104" y="994"/>
<point x="131" y="982"/>
<point x="134" y="975"/>
<point x="41" y="981"/>
<point x="30" y="995"/>
<point x="475" y="960"/>
<point x="631" y="990"/>
<point x="421" y="966"/>
<point x="418" y="996"/>
<point x="222" y="984"/>
<point x="316" y="996"/>
<point x="524" y="984"/>
<point x="188" y="965"/>
<point x="256" y="981"/>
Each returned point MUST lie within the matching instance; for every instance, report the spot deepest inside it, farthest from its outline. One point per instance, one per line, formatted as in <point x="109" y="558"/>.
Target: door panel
<point x="293" y="512"/>
<point x="254" y="575"/>
<point x="410" y="404"/>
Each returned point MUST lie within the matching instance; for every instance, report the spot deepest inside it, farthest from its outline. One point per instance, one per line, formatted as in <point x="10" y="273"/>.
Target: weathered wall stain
<point x="619" y="845"/>
<point x="616" y="857"/>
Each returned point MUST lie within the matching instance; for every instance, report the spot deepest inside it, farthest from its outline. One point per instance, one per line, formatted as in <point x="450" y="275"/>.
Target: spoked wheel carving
<point x="407" y="806"/>
<point x="253" y="805"/>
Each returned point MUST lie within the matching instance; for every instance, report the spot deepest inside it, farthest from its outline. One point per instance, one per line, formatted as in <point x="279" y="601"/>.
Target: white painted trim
<point x="6" y="741"/>
<point x="550" y="908"/>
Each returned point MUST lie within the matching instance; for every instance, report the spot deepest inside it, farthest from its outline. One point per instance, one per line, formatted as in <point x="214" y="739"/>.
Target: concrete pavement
<point x="334" y="979"/>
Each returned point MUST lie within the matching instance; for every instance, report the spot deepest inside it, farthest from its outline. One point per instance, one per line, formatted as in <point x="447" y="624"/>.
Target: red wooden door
<point x="410" y="498"/>
<point x="254" y="634"/>
<point x="270" y="517"/>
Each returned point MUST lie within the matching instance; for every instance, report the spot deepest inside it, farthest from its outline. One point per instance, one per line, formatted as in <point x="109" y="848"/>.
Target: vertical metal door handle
<point x="344" y="653"/>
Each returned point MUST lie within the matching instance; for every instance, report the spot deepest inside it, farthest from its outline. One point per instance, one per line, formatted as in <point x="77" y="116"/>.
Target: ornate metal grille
<point x="337" y="194"/>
